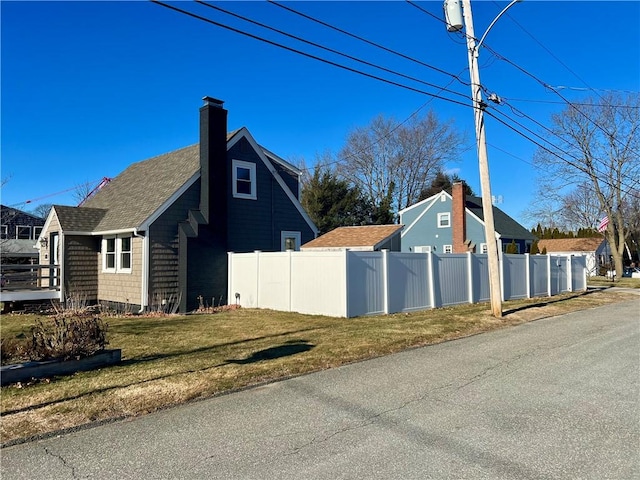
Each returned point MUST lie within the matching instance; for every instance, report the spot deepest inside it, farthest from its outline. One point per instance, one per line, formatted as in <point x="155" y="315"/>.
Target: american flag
<point x="603" y="224"/>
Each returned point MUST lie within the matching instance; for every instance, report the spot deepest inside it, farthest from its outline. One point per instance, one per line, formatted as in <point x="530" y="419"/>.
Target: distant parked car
<point x="633" y="272"/>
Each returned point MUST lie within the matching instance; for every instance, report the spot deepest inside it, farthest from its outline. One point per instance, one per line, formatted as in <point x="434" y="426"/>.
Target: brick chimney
<point x="459" y="222"/>
<point x="213" y="162"/>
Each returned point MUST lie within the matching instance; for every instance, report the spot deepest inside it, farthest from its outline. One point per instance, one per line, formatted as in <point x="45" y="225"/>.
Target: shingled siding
<point x="207" y="270"/>
<point x="164" y="258"/>
<point x="257" y="224"/>
<point x="124" y="288"/>
<point x="81" y="267"/>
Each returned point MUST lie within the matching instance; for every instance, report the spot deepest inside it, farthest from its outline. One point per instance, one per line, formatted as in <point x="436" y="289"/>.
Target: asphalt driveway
<point x="556" y="398"/>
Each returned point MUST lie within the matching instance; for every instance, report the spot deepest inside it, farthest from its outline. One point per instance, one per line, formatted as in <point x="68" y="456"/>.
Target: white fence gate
<point x="349" y="284"/>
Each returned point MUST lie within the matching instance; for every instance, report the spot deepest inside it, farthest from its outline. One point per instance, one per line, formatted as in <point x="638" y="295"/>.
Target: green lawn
<point x="174" y="359"/>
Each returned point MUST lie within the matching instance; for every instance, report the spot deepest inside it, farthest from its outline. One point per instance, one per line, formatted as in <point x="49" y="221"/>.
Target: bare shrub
<point x="66" y="338"/>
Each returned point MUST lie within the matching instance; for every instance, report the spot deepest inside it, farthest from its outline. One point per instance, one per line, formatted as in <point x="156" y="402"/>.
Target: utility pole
<point x="452" y="8"/>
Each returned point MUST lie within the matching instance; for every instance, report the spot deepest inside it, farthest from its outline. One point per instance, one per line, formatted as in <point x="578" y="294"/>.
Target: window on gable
<point x="444" y="220"/>
<point x="116" y="254"/>
<point x="23" y="232"/>
<point x="4" y="233"/>
<point x="244" y="180"/>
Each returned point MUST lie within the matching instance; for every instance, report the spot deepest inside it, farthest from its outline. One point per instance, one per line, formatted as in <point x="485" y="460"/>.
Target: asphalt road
<point x="557" y="398"/>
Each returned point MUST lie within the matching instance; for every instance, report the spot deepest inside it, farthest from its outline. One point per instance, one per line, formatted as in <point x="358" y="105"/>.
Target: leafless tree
<point x="391" y="159"/>
<point x="599" y="147"/>
<point x="82" y="191"/>
<point x="580" y="208"/>
<point x="42" y="210"/>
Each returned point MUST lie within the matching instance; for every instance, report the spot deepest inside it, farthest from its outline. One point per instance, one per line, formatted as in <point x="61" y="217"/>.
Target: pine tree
<point x="332" y="202"/>
<point x="512" y="247"/>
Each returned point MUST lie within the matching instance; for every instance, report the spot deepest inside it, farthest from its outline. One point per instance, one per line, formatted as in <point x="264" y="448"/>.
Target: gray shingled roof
<point x="356" y="236"/>
<point x="134" y="195"/>
<point x="74" y="219"/>
<point x="505" y="225"/>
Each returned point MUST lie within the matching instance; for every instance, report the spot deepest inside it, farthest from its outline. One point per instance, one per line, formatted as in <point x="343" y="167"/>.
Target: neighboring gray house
<point x="445" y="223"/>
<point x="159" y="232"/>
<point x="18" y="234"/>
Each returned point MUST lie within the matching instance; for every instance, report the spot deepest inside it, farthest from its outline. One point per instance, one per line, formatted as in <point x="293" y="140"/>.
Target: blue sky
<point x="91" y="87"/>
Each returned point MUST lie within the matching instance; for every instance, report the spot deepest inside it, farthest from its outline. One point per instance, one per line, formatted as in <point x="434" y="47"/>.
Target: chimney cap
<point x="214" y="102"/>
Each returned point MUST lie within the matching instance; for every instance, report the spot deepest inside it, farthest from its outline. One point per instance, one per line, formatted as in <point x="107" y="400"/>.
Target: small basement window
<point x="290" y="241"/>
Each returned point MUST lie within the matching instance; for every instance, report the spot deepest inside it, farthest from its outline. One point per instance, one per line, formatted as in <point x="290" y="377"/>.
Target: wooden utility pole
<point x="483" y="163"/>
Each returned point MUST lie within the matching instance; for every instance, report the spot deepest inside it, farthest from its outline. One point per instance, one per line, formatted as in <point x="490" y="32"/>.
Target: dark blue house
<point x="158" y="234"/>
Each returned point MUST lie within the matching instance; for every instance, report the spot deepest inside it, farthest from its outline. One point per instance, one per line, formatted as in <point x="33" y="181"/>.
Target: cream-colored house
<point x="594" y="248"/>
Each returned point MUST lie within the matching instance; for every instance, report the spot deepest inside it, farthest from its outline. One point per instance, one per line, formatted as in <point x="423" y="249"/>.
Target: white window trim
<point x="18" y="227"/>
<point x="103" y="251"/>
<point x="442" y="217"/>
<point x="4" y="232"/>
<point x="289" y="234"/>
<point x="252" y="174"/>
<point x="37" y="230"/>
<point x="447" y="249"/>
<point x="118" y="254"/>
<point x="483" y="248"/>
<point x="422" y="249"/>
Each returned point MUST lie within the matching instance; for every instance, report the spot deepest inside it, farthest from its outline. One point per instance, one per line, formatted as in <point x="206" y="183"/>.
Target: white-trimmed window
<point x="109" y="254"/>
<point x="36" y="232"/>
<point x="447" y="248"/>
<point x="244" y="180"/>
<point x="23" y="232"/>
<point x="483" y="248"/>
<point x="444" y="220"/>
<point x="124" y="255"/>
<point x="290" y="241"/>
<point x="422" y="248"/>
<point x="117" y="254"/>
<point x="4" y="232"/>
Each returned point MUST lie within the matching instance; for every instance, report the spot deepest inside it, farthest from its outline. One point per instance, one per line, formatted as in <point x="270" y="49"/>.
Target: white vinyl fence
<point x="350" y="284"/>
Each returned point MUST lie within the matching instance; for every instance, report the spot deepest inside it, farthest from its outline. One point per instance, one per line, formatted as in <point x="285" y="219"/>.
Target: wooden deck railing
<point x="29" y="277"/>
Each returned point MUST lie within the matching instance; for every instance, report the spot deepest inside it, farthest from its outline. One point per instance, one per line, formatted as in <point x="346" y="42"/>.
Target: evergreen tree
<point x="442" y="181"/>
<point x="512" y="247"/>
<point x="534" y="248"/>
<point x="332" y="202"/>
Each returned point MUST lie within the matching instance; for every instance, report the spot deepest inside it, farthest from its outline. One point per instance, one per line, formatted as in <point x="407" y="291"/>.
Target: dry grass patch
<point x="172" y="360"/>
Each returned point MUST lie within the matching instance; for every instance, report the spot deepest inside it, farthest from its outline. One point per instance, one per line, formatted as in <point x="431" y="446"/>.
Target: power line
<point x="526" y="72"/>
<point x="558" y="102"/>
<point x="630" y="192"/>
<point x="568" y="154"/>
<point x="308" y="42"/>
<point x="551" y="54"/>
<point x="547" y="86"/>
<point x="366" y="74"/>
<point x="308" y="55"/>
<point x="369" y="42"/>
